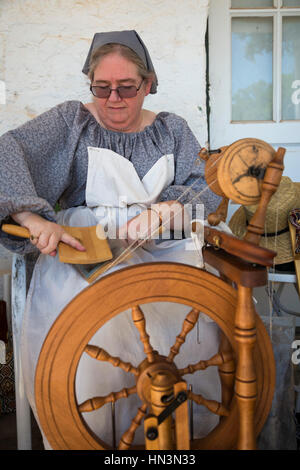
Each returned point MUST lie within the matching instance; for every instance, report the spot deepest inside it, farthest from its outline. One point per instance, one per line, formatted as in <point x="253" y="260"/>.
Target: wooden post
<point x="182" y="419"/>
<point x="151" y="430"/>
<point x="245" y="386"/>
<point x="161" y="388"/>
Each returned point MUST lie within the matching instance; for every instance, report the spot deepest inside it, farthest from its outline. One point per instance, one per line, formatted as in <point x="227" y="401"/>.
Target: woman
<point x="46" y="159"/>
<point x="108" y="162"/>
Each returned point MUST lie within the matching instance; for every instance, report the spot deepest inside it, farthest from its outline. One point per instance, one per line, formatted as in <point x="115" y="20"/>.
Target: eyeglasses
<point x="123" y="91"/>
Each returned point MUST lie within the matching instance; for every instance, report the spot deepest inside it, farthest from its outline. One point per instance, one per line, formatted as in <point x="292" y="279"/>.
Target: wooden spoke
<point x="188" y="325"/>
<point x="140" y="323"/>
<point x="95" y="403"/>
<point x="102" y="355"/>
<point x="212" y="405"/>
<point x="216" y="360"/>
<point x="128" y="436"/>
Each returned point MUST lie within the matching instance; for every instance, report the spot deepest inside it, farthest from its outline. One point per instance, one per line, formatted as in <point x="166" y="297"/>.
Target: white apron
<point x="114" y="190"/>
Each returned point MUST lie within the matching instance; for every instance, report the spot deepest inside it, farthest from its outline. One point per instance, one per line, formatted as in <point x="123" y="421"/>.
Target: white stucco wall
<point x="43" y="45"/>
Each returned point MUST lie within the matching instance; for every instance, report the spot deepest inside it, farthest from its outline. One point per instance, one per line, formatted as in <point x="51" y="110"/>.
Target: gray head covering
<point x="127" y="38"/>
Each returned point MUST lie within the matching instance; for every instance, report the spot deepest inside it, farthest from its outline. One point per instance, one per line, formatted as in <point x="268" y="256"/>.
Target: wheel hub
<point x="149" y="370"/>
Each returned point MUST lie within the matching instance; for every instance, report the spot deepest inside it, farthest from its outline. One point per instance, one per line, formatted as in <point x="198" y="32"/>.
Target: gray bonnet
<point x="127" y="38"/>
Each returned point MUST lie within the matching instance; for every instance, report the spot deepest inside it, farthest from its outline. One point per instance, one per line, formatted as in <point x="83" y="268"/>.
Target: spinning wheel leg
<point x="246" y="386"/>
<point x="161" y="391"/>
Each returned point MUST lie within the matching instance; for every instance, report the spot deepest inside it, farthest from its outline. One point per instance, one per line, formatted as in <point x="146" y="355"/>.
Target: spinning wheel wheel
<point x="57" y="405"/>
<point x="242" y="168"/>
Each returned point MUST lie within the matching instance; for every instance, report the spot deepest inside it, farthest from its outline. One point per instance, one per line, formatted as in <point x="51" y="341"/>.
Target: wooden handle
<point x="248" y="251"/>
<point x="16" y="230"/>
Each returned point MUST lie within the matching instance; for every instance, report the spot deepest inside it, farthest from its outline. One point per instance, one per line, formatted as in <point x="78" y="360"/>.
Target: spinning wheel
<point x="59" y="411"/>
<point x="245" y="359"/>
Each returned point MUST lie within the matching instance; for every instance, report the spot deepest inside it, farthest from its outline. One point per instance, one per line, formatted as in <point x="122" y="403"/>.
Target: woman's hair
<point x="124" y="51"/>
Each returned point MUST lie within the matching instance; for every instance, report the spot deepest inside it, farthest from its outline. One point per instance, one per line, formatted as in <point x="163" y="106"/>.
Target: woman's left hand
<point x="169" y="214"/>
<point x="141" y="227"/>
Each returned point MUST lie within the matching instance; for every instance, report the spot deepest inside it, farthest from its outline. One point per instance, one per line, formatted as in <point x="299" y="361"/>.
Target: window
<point x="254" y="61"/>
<point x="265" y="51"/>
<point x="252" y="69"/>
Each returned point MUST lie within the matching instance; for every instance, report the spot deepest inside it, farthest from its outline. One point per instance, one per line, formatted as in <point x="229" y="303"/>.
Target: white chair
<point x="18" y="298"/>
<point x="277" y="282"/>
<point x="5" y="272"/>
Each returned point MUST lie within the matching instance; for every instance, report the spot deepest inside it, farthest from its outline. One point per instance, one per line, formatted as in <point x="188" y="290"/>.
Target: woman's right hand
<point x="45" y="235"/>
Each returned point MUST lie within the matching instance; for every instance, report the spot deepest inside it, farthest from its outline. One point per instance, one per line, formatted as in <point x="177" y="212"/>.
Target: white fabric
<point x="113" y="180"/>
<point x="54" y="284"/>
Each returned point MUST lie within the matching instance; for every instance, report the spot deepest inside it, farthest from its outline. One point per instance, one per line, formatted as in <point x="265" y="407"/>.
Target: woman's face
<point x="115" y="113"/>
